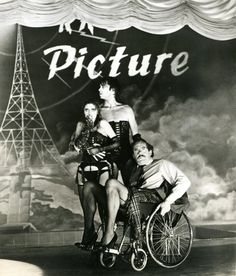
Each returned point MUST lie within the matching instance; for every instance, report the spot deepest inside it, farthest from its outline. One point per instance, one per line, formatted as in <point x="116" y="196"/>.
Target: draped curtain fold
<point x="215" y="19"/>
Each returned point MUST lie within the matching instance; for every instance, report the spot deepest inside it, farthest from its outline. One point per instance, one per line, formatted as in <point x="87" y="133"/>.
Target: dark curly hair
<point x="96" y="104"/>
<point x="113" y="83"/>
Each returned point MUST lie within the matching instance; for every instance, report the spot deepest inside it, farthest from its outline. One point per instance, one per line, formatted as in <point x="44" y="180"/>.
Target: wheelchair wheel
<point x="107" y="259"/>
<point x="168" y="238"/>
<point x="139" y="259"/>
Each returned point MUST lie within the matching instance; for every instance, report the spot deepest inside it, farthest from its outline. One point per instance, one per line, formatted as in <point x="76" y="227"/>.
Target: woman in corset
<point x="95" y="139"/>
<point x="121" y="118"/>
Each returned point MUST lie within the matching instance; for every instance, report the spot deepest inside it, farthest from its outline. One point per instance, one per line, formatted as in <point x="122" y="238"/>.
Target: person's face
<point x="90" y="111"/>
<point x="142" y="155"/>
<point x="105" y="92"/>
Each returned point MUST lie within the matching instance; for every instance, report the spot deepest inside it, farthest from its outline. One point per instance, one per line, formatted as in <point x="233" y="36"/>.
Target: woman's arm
<point x="106" y="129"/>
<point x="79" y="128"/>
<point x="80" y="139"/>
<point x="75" y="134"/>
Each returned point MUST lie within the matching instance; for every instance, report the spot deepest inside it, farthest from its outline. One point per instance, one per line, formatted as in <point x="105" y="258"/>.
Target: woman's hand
<point x="93" y="151"/>
<point x="96" y="153"/>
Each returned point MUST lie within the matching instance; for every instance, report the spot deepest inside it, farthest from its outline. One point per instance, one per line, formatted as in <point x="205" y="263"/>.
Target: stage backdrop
<point x="181" y="86"/>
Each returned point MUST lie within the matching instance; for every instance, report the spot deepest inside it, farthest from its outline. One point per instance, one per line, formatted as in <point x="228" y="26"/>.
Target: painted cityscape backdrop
<point x="190" y="118"/>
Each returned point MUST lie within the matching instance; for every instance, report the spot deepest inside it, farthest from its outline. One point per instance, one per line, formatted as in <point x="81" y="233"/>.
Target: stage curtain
<point x="215" y="19"/>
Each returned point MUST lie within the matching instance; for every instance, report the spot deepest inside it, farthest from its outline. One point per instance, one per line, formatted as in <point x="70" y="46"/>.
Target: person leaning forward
<point x="152" y="181"/>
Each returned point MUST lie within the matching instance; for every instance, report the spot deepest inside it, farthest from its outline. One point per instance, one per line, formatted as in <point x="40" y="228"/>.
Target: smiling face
<point x="142" y="154"/>
<point x="105" y="91"/>
<point x="90" y="111"/>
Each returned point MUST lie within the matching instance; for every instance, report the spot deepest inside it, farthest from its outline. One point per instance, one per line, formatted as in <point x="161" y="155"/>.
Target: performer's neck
<point x="109" y="103"/>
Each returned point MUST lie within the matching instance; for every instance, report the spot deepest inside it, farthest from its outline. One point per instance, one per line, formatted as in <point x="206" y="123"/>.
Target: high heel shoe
<point x="87" y="245"/>
<point x="111" y="244"/>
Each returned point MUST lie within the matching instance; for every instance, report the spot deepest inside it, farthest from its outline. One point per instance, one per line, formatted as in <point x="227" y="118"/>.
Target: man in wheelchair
<point x="152" y="182"/>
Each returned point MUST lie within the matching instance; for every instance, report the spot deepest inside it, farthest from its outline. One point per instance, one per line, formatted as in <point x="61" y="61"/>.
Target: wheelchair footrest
<point x="112" y="251"/>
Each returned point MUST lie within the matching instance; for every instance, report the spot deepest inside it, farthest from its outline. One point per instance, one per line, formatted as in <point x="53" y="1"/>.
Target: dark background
<point x="190" y="119"/>
<point x="212" y="66"/>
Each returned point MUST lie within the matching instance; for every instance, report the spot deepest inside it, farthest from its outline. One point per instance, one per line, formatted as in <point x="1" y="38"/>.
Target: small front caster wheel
<point x="139" y="259"/>
<point x="107" y="259"/>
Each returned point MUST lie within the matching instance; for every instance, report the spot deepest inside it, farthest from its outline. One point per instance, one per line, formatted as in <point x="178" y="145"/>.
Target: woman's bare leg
<point x="115" y="191"/>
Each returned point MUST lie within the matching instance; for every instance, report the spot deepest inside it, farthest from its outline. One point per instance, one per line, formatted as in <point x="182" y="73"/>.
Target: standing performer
<point x="121" y="118"/>
<point x="95" y="140"/>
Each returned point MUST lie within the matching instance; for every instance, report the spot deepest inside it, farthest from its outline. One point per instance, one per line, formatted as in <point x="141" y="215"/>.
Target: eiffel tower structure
<point x="24" y="138"/>
<point x="25" y="144"/>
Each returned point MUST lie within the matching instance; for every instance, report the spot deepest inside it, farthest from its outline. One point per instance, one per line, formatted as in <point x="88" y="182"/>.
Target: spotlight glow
<point x="10" y="268"/>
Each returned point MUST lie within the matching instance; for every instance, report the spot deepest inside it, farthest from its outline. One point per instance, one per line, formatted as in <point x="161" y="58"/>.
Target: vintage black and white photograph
<point x="117" y="137"/>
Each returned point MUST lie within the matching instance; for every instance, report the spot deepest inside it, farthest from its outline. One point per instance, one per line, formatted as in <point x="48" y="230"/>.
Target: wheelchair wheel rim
<point x="168" y="246"/>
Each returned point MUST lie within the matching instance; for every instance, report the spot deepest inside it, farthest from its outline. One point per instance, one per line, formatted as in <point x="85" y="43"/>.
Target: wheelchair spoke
<point x="159" y="249"/>
<point x="179" y="226"/>
<point x="169" y="238"/>
<point x="159" y="230"/>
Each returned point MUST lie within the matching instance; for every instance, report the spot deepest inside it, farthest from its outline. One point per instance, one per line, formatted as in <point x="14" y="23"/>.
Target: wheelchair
<point x="166" y="239"/>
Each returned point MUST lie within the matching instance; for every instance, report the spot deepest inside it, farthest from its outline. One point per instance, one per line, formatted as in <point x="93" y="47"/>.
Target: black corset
<point x="124" y="153"/>
<point x="121" y="129"/>
<point x="97" y="138"/>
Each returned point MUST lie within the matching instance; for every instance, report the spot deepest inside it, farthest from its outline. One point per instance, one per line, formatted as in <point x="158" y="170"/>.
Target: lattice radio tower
<point x="24" y="138"/>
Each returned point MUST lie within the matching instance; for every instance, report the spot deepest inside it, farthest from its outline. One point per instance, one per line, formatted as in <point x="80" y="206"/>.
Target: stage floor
<point x="208" y="257"/>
